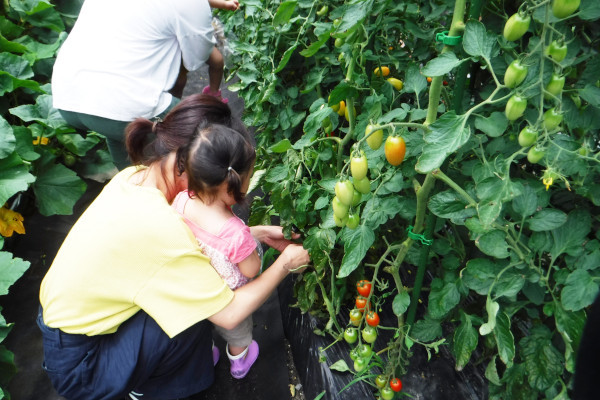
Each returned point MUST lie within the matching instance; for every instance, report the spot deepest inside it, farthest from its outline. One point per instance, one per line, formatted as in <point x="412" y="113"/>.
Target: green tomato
<point x="557" y="50"/>
<point x="323" y="11"/>
<point x="336" y="22"/>
<point x="515" y="74"/>
<point x="364" y="350"/>
<point x="387" y="393"/>
<point x="356" y="198"/>
<point x="527" y="136"/>
<point x="339" y="222"/>
<point x="515" y="107"/>
<point x="340" y="210"/>
<point x="360" y="364"/>
<point x="355" y="318"/>
<point x="564" y="8"/>
<point x="369" y="334"/>
<point x="351" y="335"/>
<point x="354" y="354"/>
<point x="359" y="166"/>
<point x="535" y="155"/>
<point x="555" y="86"/>
<point x="380" y="381"/>
<point x="353" y="221"/>
<point x="344" y="191"/>
<point x="374" y="139"/>
<point x="552" y="119"/>
<point x="516" y="26"/>
<point x="339" y="42"/>
<point x="363" y="185"/>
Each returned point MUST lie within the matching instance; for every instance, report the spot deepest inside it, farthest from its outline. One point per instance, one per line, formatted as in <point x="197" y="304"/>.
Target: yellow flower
<point x="40" y="140"/>
<point x="10" y="221"/>
<point x="548" y="182"/>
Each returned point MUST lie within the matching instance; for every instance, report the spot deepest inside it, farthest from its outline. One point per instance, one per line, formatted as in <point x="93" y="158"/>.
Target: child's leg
<point x="242" y="351"/>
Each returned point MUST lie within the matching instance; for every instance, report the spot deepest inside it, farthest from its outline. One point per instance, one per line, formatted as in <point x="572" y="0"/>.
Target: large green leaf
<point x="571" y="235"/>
<point x="579" y="292"/>
<point x="8" y="141"/>
<point x="426" y="329"/>
<point x="479" y="43"/>
<point x="443" y="297"/>
<point x="14" y="177"/>
<point x="284" y="12"/>
<point x="446" y="135"/>
<point x="504" y="339"/>
<point x="11" y="269"/>
<point x="546" y="220"/>
<point x="479" y="275"/>
<point x="356" y="244"/>
<point x="57" y="188"/>
<point x="42" y="112"/>
<point x="39" y="13"/>
<point x="414" y="81"/>
<point x="441" y="65"/>
<point x="448" y="204"/>
<point x="542" y="361"/>
<point x="493" y="244"/>
<point x="465" y="341"/>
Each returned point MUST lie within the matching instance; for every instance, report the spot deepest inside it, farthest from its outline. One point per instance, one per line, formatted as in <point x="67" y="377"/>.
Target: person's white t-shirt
<point x="123" y="56"/>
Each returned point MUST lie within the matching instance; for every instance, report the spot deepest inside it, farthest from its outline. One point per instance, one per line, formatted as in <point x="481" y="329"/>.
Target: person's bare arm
<point x="177" y="89"/>
<point x="231" y="5"/>
<point x="251" y="296"/>
<point x="250" y="266"/>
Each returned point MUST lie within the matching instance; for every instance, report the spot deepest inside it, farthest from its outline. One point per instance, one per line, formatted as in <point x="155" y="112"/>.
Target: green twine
<point x="416" y="236"/>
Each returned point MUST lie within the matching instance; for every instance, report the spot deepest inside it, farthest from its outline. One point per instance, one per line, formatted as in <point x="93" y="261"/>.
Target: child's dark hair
<point x="218" y="154"/>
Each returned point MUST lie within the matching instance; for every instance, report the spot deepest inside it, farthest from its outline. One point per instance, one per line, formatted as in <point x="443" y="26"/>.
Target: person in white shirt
<point x="129" y="59"/>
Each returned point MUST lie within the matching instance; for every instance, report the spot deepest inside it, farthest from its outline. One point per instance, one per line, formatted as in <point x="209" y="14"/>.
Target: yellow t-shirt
<point x="130" y="250"/>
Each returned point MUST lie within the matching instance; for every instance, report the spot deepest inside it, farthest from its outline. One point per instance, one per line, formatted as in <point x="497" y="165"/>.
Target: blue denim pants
<point x="138" y="357"/>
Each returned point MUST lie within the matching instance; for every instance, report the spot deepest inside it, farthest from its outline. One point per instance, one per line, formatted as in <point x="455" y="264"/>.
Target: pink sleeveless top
<point x="232" y="244"/>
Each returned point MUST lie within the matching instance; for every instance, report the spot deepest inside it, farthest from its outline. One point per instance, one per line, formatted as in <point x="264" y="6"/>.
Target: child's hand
<point x="272" y="236"/>
<point x="232" y="5"/>
<point x="297" y="258"/>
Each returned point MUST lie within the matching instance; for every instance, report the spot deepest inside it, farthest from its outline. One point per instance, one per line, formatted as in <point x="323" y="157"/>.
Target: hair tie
<point x="155" y="123"/>
<point x="229" y="168"/>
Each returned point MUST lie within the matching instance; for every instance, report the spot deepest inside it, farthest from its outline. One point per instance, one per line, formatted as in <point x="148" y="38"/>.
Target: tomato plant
<point x="501" y="247"/>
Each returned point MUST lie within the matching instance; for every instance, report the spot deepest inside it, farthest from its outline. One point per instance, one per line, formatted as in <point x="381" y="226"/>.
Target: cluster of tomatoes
<point x="362" y="353"/>
<point x="515" y="74"/>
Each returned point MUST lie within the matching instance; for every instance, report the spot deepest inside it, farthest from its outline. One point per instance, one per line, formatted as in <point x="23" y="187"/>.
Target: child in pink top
<point x="223" y="162"/>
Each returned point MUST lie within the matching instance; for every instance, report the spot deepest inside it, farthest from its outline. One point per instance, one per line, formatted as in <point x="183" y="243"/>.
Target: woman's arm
<point x="225" y="4"/>
<point x="272" y="236"/>
<point x="251" y="296"/>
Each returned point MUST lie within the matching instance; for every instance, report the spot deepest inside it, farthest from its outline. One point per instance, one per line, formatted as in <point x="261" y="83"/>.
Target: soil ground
<point x="272" y="377"/>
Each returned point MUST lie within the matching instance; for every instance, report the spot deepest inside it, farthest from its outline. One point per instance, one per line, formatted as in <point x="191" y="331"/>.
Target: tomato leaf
<point x="315" y="46"/>
<point x="590" y="10"/>
<point x="570" y="236"/>
<point x="478" y="42"/>
<point x="542" y="361"/>
<point x="491" y="372"/>
<point x="285" y="58"/>
<point x="356" y="243"/>
<point x="505" y="339"/>
<point x="494" y="125"/>
<point x="446" y="135"/>
<point x="479" y="274"/>
<point x="401" y="303"/>
<point x="465" y="341"/>
<point x="526" y="203"/>
<point x="492" y="308"/>
<point x="284" y="12"/>
<point x="580" y="291"/>
<point x="353" y="14"/>
<point x="547" y="219"/>
<point x="340" y="366"/>
<point x="442" y="300"/>
<point x="493" y="244"/>
<point x="441" y="65"/>
<point x="426" y="329"/>
<point x="342" y="91"/>
<point x="414" y="82"/>
<point x="591" y="94"/>
<point x="448" y="204"/>
<point x="281" y="147"/>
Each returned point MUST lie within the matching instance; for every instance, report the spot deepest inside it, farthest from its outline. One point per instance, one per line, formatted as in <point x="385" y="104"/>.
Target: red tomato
<point x="395" y="149"/>
<point x="361" y="302"/>
<point x="372" y="318"/>
<point x="363" y="287"/>
<point x="396" y="384"/>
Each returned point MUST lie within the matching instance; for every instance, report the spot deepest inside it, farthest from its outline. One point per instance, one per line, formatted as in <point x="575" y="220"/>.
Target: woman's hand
<point x="272" y="236"/>
<point x="295" y="258"/>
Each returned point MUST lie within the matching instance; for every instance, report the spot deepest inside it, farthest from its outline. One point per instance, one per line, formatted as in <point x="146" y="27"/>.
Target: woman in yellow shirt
<point x="126" y="302"/>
